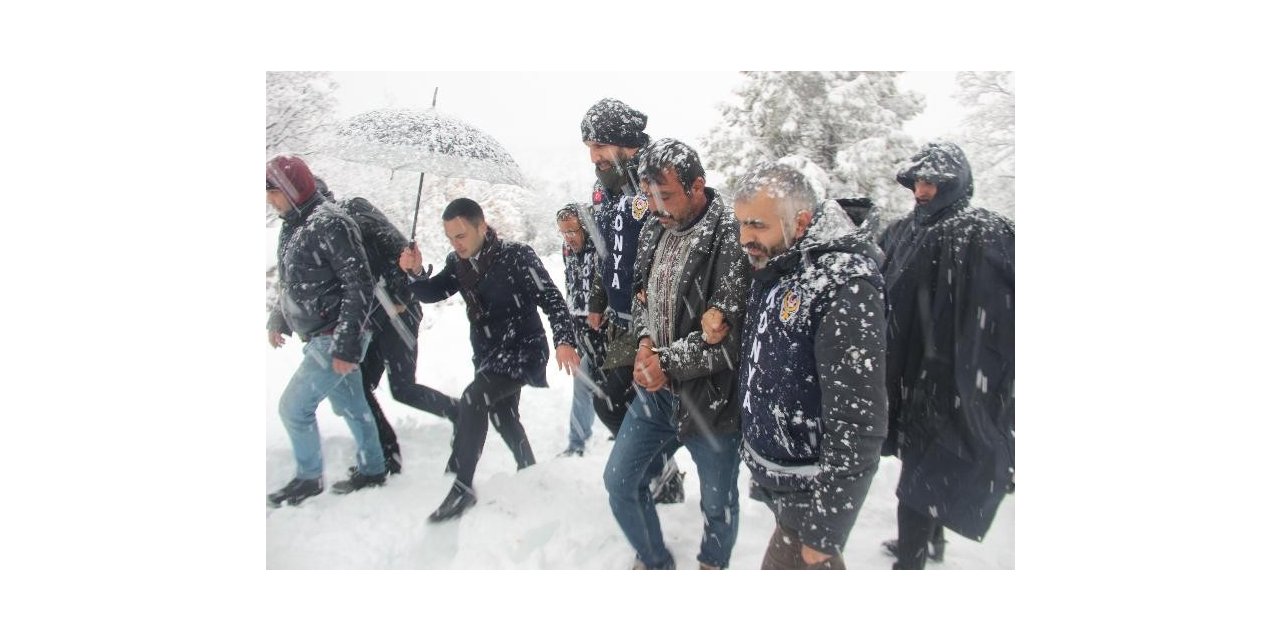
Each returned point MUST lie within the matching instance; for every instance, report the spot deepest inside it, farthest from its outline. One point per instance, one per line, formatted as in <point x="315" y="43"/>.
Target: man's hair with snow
<point x="669" y="153"/>
<point x="464" y="208"/>
<point x="568" y="211"/>
<point x="787" y="186"/>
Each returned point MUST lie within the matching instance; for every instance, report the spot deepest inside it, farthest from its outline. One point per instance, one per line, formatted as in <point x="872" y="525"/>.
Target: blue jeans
<point x="648" y="433"/>
<point x="314" y="381"/>
<point x="583" y="412"/>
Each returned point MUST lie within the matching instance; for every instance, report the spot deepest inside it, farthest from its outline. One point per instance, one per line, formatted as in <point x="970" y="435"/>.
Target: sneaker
<point x="460" y="498"/>
<point x="668" y="487"/>
<point x="296" y="491"/>
<point x="358" y="481"/>
<point x="570" y="452"/>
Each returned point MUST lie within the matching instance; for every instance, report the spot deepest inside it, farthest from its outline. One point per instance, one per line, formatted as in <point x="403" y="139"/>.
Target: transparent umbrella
<point x="425" y="141"/>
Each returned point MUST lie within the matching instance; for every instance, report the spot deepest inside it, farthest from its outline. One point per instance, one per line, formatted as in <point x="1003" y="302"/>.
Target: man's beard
<point x="614" y="178"/>
<point x="759" y="262"/>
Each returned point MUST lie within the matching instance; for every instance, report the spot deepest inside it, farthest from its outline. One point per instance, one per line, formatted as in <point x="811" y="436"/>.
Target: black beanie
<point x="611" y="121"/>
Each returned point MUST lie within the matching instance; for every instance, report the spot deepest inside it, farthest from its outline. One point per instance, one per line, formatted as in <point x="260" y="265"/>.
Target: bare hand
<point x="567" y="359"/>
<point x="647" y="370"/>
<point x="714" y="328"/>
<point x="275" y="339"/>
<point x="343" y="367"/>
<point x="812" y="556"/>
<point x="644" y="299"/>
<point x="594" y="320"/>
<point x="411" y="259"/>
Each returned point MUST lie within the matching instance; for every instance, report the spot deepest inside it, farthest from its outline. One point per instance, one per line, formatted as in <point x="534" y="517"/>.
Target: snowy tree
<point x="987" y="136"/>
<point x="847" y="123"/>
<point x="300" y="105"/>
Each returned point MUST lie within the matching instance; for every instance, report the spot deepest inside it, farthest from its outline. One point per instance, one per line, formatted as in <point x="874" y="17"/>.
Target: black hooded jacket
<point x="949" y="280"/>
<point x="325" y="283"/>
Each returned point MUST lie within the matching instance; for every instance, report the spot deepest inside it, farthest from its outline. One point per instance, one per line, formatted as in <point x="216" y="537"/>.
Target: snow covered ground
<point x="554" y="515"/>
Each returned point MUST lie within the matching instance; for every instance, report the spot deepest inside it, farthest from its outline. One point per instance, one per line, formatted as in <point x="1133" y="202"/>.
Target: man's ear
<point x="699" y="183"/>
<point x="803" y="220"/>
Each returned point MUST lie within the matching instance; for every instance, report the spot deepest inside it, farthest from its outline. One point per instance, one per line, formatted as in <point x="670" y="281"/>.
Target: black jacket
<point x="950" y="283"/>
<point x="325" y="283"/>
<point x="702" y="376"/>
<point x="383" y="243"/>
<point x="502" y="299"/>
<point x="814" y="406"/>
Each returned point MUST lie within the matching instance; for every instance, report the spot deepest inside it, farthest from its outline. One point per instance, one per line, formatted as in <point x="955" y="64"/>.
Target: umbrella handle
<point x="413" y="231"/>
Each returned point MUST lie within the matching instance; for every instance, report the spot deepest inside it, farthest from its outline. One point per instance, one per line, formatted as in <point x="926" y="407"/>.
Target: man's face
<point x="278" y="201"/>
<point x="464" y="237"/>
<point x="761" y="230"/>
<point x="670" y="204"/>
<point x="605" y="156"/>
<point x="571" y="231"/>
<point x="925" y="191"/>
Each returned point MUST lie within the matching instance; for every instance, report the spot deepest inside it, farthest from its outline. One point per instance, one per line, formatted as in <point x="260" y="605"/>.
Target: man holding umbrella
<point x="502" y="283"/>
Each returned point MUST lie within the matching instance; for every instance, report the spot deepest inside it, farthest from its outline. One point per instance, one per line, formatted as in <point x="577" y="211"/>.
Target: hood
<point x="299" y="213"/>
<point x="323" y="189"/>
<point x="832" y="229"/>
<point x="943" y="164"/>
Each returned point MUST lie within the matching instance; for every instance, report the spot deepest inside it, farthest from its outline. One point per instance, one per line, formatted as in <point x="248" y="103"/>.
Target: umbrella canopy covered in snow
<point x="424" y="141"/>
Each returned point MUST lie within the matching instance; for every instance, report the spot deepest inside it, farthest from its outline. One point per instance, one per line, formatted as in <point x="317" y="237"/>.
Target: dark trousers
<point x="784" y="552"/>
<point x="618" y="394"/>
<point x="915" y="530"/>
<point x="489" y="398"/>
<point x="390" y="353"/>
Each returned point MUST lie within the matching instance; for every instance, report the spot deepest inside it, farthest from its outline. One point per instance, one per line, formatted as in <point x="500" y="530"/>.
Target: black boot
<point x="296" y="491"/>
<point x="358" y="481"/>
<point x="393" y="463"/>
<point x="668" y="487"/>
<point x="937" y="547"/>
<point x="460" y="498"/>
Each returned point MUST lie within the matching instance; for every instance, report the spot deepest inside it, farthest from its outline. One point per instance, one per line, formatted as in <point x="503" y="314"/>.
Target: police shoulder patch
<point x="639" y="207"/>
<point x="790" y="305"/>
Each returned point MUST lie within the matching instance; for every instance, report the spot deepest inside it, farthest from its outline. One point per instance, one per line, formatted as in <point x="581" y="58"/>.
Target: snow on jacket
<point x="702" y="376"/>
<point x="950" y="286"/>
<point x="325" y="282"/>
<point x="503" y="287"/>
<point x="812" y="380"/>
